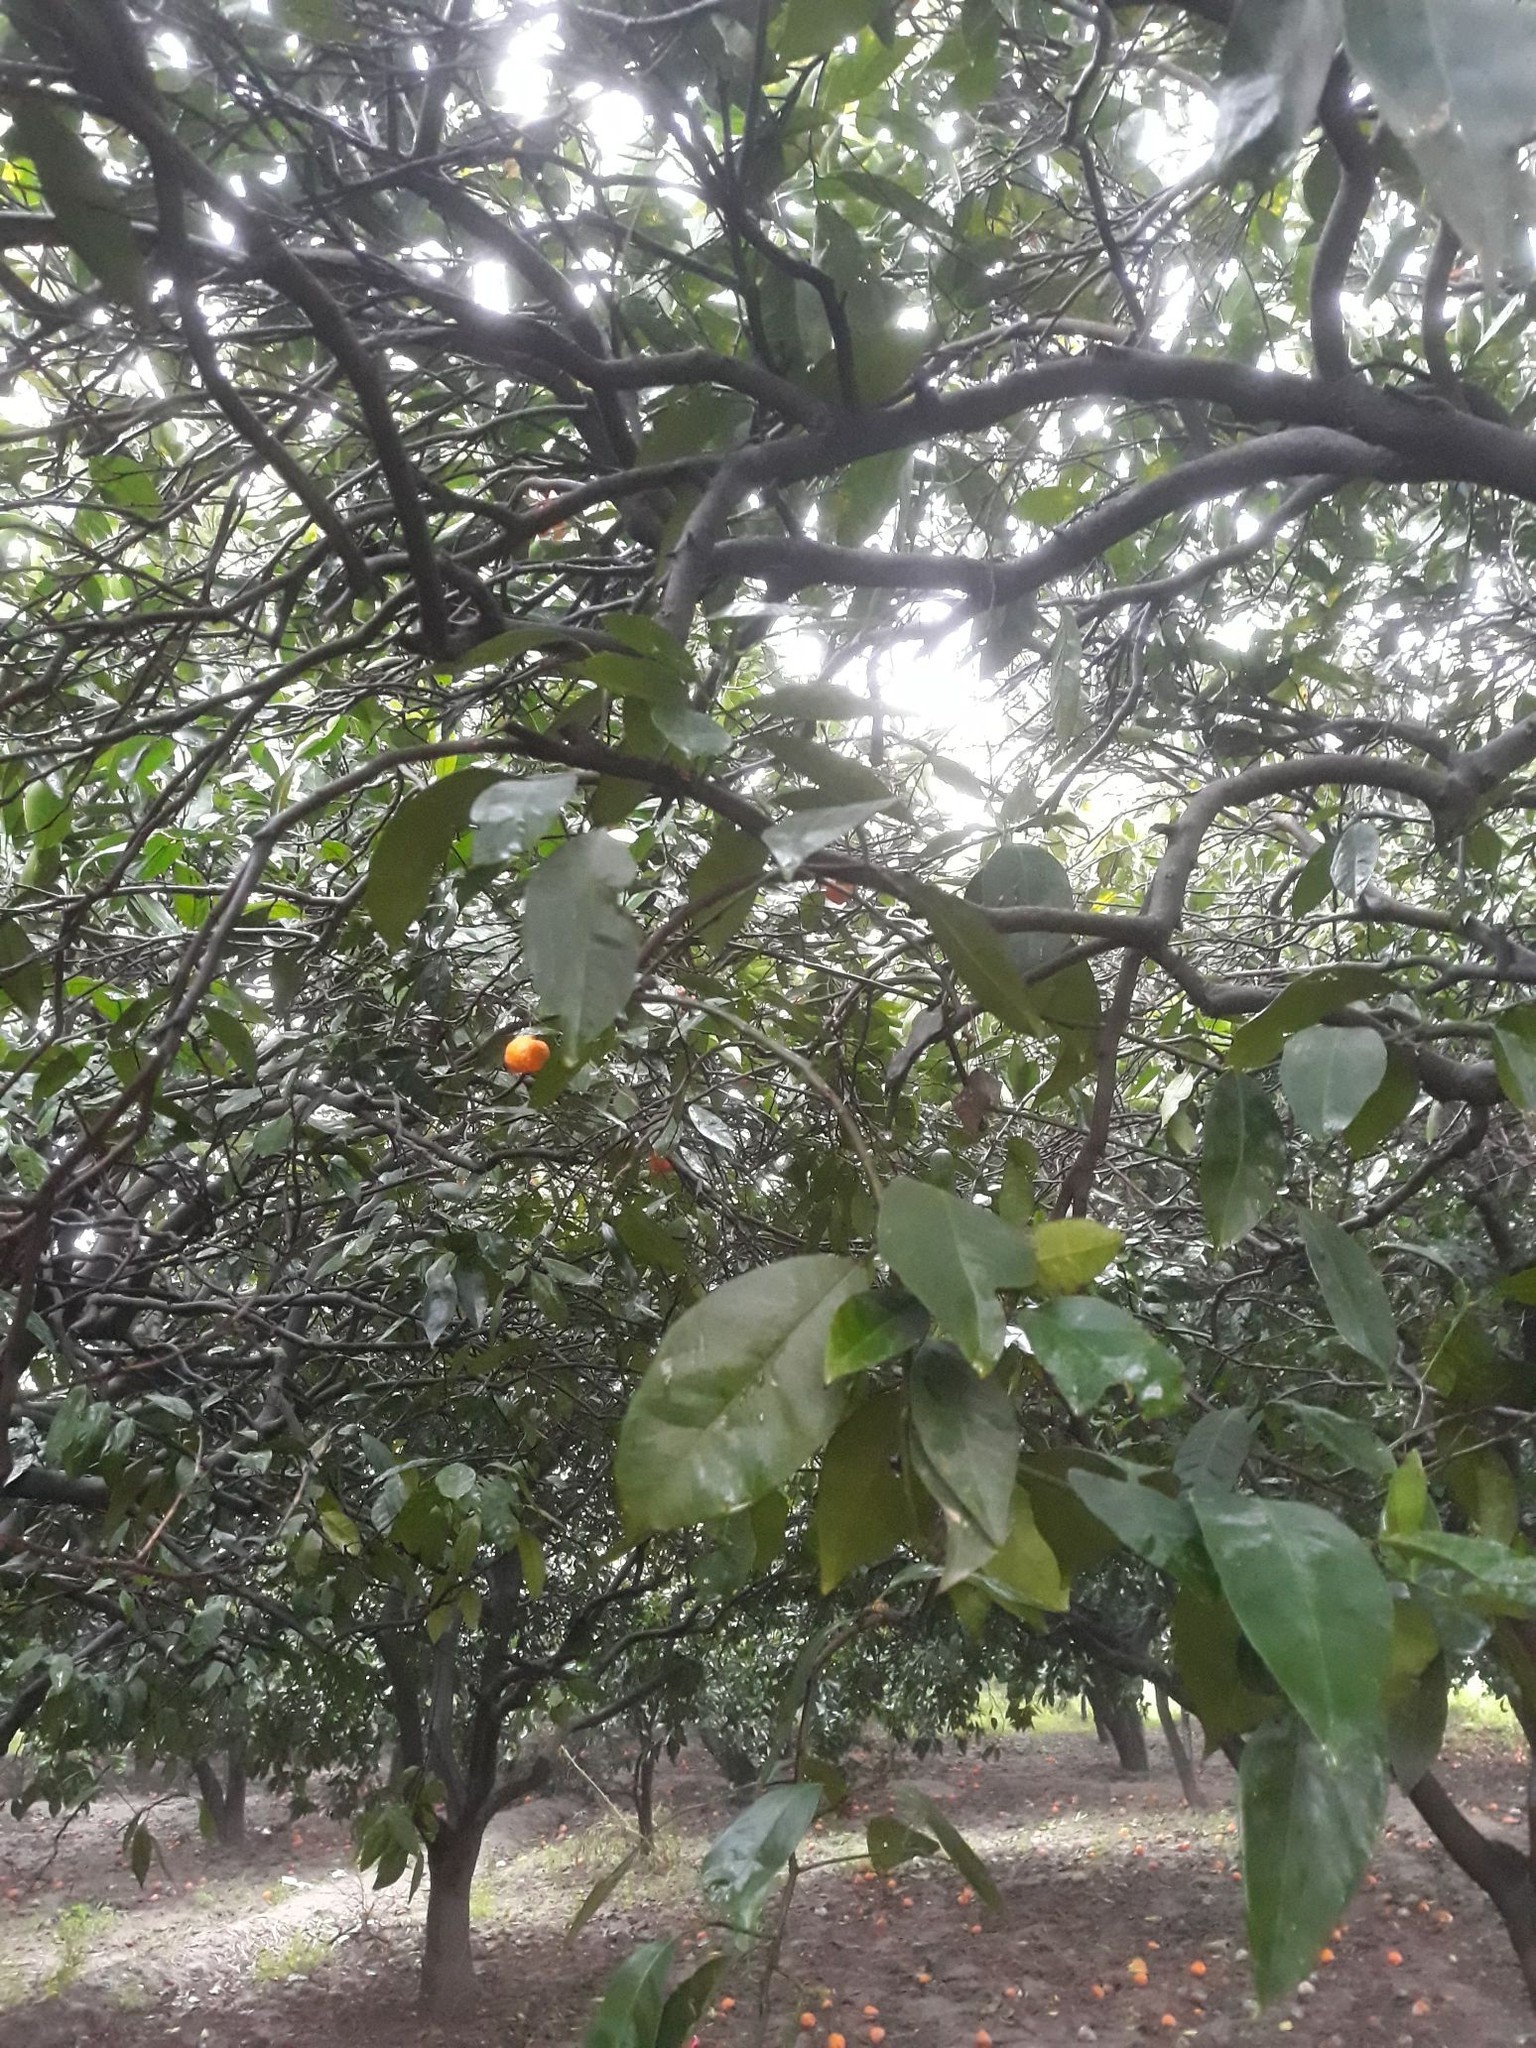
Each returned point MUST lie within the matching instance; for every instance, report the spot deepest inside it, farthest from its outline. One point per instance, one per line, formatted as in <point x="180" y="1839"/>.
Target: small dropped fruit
<point x="807" y="2020"/>
<point x="525" y="1054"/>
<point x="1168" y="2020"/>
<point x="658" y="1162"/>
<point x="1197" y="1968"/>
<point x="925" y="1976"/>
<point x="1394" y="1957"/>
<point x="1420" y="2008"/>
<point x="871" y="2012"/>
<point x="836" y="2041"/>
<point x="982" y="2038"/>
<point x="1325" y="1955"/>
<point x="727" y="2004"/>
<point x="874" y="2035"/>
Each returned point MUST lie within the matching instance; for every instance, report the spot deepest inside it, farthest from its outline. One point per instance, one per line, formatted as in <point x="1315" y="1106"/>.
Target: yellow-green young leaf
<point x="535" y="1571"/>
<point x="1070" y="1252"/>
<point x="1311" y="1601"/>
<point x="91" y="211"/>
<point x="735" y="1400"/>
<point x="1310" y="1816"/>
<point x="1023" y="1571"/>
<point x="1242" y="1158"/>
<point x="954" y="1257"/>
<point x="1408" y="1510"/>
<point x="604" y="1889"/>
<point x="863" y="1508"/>
<point x="1089" y="1345"/>
<point x="412" y="846"/>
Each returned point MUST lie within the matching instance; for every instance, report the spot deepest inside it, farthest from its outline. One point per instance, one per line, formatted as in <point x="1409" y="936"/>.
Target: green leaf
<point x="732" y="859"/>
<point x="412" y="846"/>
<point x="604" y="1890"/>
<point x="22" y="977"/>
<point x="1159" y="1527"/>
<point x="630" y="2012"/>
<point x="1310" y="1817"/>
<point x="582" y="950"/>
<point x="235" y="1039"/>
<point x="1089" y="1345"/>
<point x="978" y="955"/>
<point x="688" y="2001"/>
<point x="1417" y="1708"/>
<point x="322" y="21"/>
<point x="1273" y="64"/>
<point x="919" y="1811"/>
<point x="892" y="1843"/>
<point x="745" y="1861"/>
<point x="872" y="1328"/>
<point x="695" y="736"/>
<point x="1208" y="1651"/>
<point x="650" y="1242"/>
<point x="1065" y="682"/>
<point x="1352" y="1288"/>
<point x="1022" y="877"/>
<point x="863" y="1509"/>
<point x="1328" y="1073"/>
<point x="1454" y="80"/>
<point x="842" y="777"/>
<point x="1354" y="859"/>
<point x="1215" y="1450"/>
<point x="794" y="839"/>
<point x="954" y="1257"/>
<point x="1386" y="1109"/>
<point x="1313" y="1604"/>
<point x="141" y="1851"/>
<point x="1407" y="1510"/>
<point x="92" y="212"/>
<point x="1514" y="1053"/>
<point x="1023" y="1572"/>
<point x="1307" y="1001"/>
<point x="1242" y="1158"/>
<point x="967" y="1435"/>
<point x="1314" y="878"/>
<point x="1354" y="1444"/>
<point x="810" y="28"/>
<point x="1499" y="1581"/>
<point x="735" y="1400"/>
<point x="1070" y="1252"/>
<point x="512" y="816"/>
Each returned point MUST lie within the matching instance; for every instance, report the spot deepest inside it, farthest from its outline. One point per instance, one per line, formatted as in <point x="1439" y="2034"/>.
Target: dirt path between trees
<point x="286" y="1944"/>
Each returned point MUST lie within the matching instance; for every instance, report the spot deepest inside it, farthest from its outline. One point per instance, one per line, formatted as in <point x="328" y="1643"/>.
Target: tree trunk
<point x="1188" y="1780"/>
<point x="447" y="1968"/>
<point x="1121" y="1719"/>
<point x="225" y="1803"/>
<point x="645" y="1791"/>
<point x="1498" y="1868"/>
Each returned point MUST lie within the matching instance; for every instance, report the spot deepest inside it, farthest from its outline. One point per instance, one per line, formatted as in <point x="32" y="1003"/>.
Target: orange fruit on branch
<point x="525" y="1054"/>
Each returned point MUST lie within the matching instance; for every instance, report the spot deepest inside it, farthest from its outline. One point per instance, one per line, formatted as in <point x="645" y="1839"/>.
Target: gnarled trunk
<point x="1119" y="1717"/>
<point x="448" y="1988"/>
<point x="1499" y="1868"/>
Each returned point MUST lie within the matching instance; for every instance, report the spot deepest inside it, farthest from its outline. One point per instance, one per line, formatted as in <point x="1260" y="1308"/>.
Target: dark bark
<point x="447" y="1966"/>
<point x="1183" y="1763"/>
<point x="225" y="1803"/>
<point x="1120" y="1718"/>
<point x="645" y="1790"/>
<point x="1498" y="1868"/>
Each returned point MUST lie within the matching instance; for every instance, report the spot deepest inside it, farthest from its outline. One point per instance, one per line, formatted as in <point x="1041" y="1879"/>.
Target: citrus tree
<point x="834" y="695"/>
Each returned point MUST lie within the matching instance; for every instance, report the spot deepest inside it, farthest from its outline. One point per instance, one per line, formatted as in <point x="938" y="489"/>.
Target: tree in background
<point x="937" y="595"/>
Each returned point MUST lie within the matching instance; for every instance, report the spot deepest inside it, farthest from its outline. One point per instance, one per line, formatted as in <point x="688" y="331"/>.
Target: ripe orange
<point x="524" y="1054"/>
<point x="836" y="893"/>
<point x="1197" y="1968"/>
<point x="807" y="2020"/>
<point x="658" y="1162"/>
<point x="1394" y="1957"/>
<point x="836" y="2041"/>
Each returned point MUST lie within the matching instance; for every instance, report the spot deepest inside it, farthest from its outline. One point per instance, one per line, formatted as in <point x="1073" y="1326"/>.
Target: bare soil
<point x="284" y="1943"/>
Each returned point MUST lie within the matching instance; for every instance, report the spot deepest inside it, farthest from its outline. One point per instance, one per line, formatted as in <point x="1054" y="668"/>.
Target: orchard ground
<point x="1101" y="1874"/>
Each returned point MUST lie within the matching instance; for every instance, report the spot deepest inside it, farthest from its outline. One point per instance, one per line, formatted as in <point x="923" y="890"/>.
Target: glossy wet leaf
<point x="1089" y="1346"/>
<point x="968" y="1434"/>
<point x="582" y="949"/>
<point x="1328" y="1073"/>
<point x="954" y="1256"/>
<point x="1352" y="1288"/>
<point x="1242" y="1158"/>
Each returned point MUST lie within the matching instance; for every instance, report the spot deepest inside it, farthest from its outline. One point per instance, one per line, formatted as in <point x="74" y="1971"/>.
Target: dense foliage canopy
<point x="936" y="597"/>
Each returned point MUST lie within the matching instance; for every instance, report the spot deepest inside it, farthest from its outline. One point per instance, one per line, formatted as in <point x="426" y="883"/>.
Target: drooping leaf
<point x="919" y="1811"/>
<point x="892" y="1843"/>
<point x="873" y="1327"/>
<point x="603" y="1891"/>
<point x="794" y="839"/>
<point x="1208" y="1654"/>
<point x="863" y="1509"/>
<point x="513" y="815"/>
<point x="581" y="948"/>
<point x="1310" y="1817"/>
<point x="1497" y="1580"/>
<point x="1089" y="1345"/>
<point x="1382" y="1112"/>
<point x="1158" y="1526"/>
<point x="1215" y="1450"/>
<point x="1355" y="1444"/>
<point x="954" y="1257"/>
<point x="978" y="955"/>
<point x="967" y="1435"/>
<point x="91" y="211"/>
<point x="745" y="1861"/>
<point x="1242" y="1158"/>
<point x="1328" y="1073"/>
<point x="732" y="862"/>
<point x="735" y="1400"/>
<point x="1454" y="80"/>
<point x="1065" y="682"/>
<point x="1273" y="65"/>
<point x="632" y="2000"/>
<point x="1357" y="1301"/>
<point x="1024" y="1572"/>
<point x="1354" y="859"/>
<point x="1313" y="1604"/>
<point x="1308" y="1000"/>
<point x="412" y="847"/>
<point x="688" y="2001"/>
<point x="1020" y="876"/>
